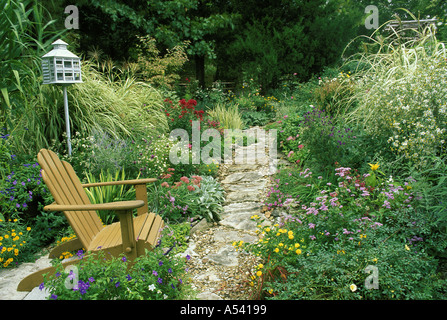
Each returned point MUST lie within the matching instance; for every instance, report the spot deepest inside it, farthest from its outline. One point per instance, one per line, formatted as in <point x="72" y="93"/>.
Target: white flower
<point x="151" y="287"/>
<point x="353" y="287"/>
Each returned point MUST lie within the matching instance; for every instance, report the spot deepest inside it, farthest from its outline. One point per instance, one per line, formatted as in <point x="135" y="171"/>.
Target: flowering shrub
<point x="155" y="275"/>
<point x="322" y="137"/>
<point x="14" y="239"/>
<point x="146" y="157"/>
<point x="340" y="221"/>
<point x="182" y="115"/>
<point x="20" y="187"/>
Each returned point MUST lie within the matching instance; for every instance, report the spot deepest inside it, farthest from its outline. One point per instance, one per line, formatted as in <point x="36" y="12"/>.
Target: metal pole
<point x="67" y="120"/>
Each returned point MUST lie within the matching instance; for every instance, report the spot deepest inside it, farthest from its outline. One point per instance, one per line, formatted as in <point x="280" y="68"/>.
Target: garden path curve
<point x="217" y="270"/>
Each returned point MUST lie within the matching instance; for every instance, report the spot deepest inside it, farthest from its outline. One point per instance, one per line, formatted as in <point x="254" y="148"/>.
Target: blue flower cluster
<point x="19" y="188"/>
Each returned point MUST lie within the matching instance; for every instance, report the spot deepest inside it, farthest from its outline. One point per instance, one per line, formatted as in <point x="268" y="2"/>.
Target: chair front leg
<point x="128" y="234"/>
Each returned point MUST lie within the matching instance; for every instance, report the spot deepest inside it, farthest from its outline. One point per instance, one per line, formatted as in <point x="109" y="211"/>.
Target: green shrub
<point x="324" y="140"/>
<point x="188" y="198"/>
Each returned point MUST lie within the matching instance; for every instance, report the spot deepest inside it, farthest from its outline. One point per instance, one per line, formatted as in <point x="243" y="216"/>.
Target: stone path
<point x="10" y="279"/>
<point x="217" y="270"/>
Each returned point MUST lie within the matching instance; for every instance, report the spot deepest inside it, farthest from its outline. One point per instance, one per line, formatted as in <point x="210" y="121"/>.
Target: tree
<point x="274" y="38"/>
<point x="115" y="25"/>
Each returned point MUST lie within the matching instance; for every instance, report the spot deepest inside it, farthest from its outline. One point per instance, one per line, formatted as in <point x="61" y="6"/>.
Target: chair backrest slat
<point x="66" y="188"/>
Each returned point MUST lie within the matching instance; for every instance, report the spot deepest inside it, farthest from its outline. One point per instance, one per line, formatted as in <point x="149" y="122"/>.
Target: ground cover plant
<point x="156" y="275"/>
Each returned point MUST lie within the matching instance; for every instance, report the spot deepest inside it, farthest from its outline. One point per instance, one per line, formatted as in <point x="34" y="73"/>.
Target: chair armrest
<point x="114" y="183"/>
<point x="116" y="206"/>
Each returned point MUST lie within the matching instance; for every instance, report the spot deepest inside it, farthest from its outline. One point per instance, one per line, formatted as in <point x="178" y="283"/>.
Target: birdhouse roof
<point x="60" y="50"/>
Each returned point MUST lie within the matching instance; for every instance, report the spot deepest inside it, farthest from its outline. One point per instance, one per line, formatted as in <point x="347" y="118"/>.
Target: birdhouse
<point x="61" y="66"/>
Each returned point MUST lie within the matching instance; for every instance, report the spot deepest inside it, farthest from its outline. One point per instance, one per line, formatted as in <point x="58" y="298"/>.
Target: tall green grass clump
<point x="122" y="109"/>
<point x="26" y="33"/>
<point x="229" y="117"/>
<point x="400" y="96"/>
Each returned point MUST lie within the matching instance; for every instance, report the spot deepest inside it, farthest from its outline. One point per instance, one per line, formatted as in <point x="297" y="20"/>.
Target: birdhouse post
<point x="62" y="67"/>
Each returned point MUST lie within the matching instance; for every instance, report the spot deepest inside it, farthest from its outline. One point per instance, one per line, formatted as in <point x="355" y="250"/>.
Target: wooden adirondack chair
<point x="130" y="235"/>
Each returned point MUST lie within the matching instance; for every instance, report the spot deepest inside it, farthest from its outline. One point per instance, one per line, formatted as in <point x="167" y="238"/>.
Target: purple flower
<point x="155" y="273"/>
<point x="80" y="254"/>
<point x="160" y="280"/>
<point x="53" y="297"/>
<point x="117" y="284"/>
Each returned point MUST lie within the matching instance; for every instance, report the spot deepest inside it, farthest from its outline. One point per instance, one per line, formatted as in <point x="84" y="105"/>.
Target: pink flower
<point x="198" y="178"/>
<point x="167" y="176"/>
<point x="191" y="188"/>
<point x="290" y="138"/>
<point x="290" y="154"/>
<point x="300" y="146"/>
<point x="184" y="179"/>
<point x="165" y="184"/>
<point x="286" y="116"/>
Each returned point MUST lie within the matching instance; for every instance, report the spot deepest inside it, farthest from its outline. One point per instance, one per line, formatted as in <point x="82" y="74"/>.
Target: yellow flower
<point x="374" y="260"/>
<point x="297" y="245"/>
<point x="276" y="250"/>
<point x="270" y="291"/>
<point x="407" y="248"/>
<point x="260" y="266"/>
<point x="353" y="287"/>
<point x="298" y="251"/>
<point x="28" y="229"/>
<point x="374" y="167"/>
<point x="259" y="273"/>
<point x="291" y="237"/>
